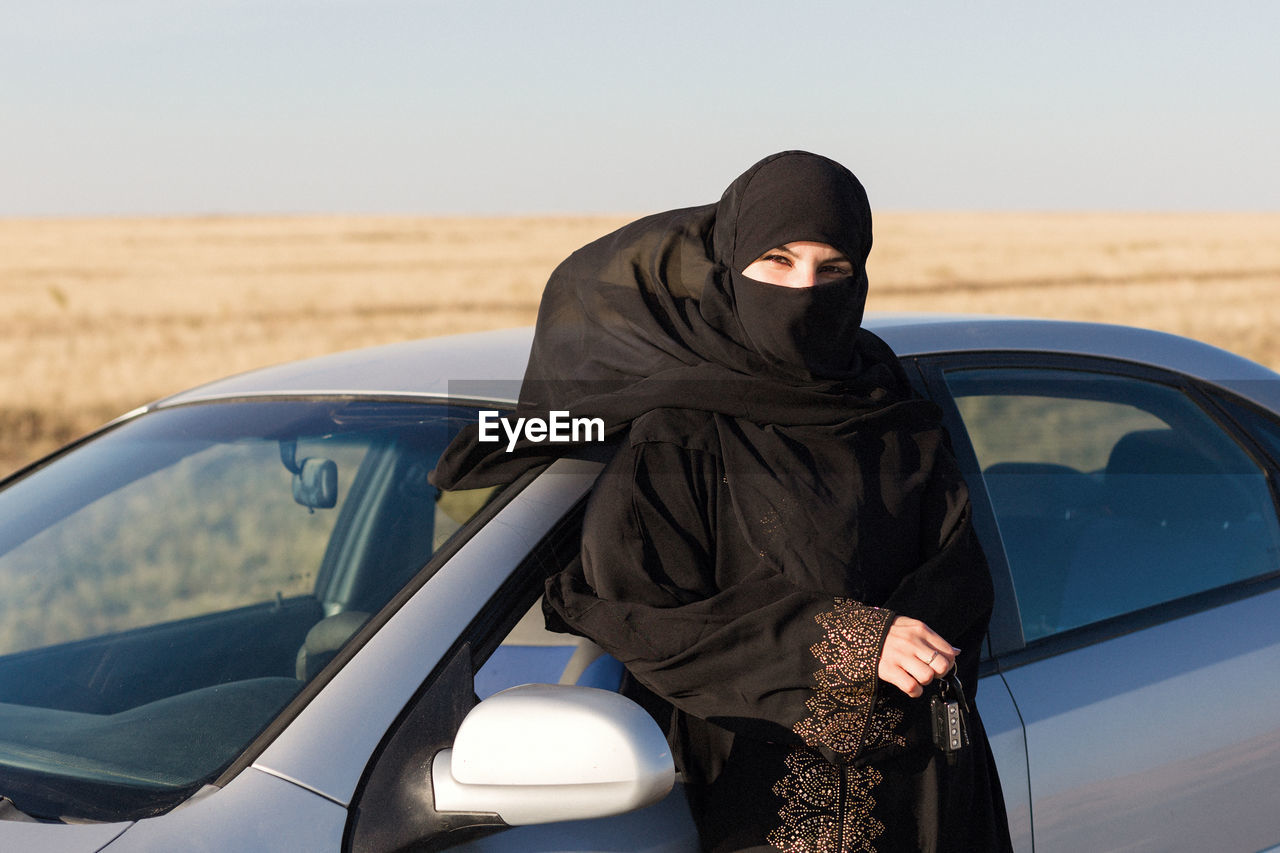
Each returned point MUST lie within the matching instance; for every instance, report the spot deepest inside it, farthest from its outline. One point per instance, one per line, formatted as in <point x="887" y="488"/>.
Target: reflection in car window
<point x="1111" y="493"/>
<point x="530" y="654"/>
<point x="169" y="586"/>
<point x="205" y="533"/>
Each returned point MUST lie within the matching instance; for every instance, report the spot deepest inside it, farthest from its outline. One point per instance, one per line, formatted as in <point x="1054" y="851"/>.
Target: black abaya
<point x="783" y="731"/>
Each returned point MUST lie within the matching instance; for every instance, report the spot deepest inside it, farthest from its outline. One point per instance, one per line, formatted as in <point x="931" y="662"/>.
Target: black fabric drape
<point x="647" y="317"/>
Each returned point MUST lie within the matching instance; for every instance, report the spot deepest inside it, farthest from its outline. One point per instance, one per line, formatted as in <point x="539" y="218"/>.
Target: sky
<point x="210" y="107"/>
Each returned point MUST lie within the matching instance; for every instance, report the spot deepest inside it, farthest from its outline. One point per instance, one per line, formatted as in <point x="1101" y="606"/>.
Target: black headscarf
<point x="657" y="315"/>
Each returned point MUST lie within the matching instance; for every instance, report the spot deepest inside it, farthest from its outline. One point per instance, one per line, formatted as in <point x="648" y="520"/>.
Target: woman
<point x="780" y="549"/>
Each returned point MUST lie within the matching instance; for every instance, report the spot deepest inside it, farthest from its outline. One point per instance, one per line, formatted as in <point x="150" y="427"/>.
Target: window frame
<point x="1008" y="647"/>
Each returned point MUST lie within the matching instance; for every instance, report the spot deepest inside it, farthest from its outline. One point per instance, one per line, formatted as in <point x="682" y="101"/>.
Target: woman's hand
<point x="914" y="655"/>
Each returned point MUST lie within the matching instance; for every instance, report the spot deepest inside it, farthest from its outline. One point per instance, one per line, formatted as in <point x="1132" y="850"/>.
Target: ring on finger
<point x="929" y="662"/>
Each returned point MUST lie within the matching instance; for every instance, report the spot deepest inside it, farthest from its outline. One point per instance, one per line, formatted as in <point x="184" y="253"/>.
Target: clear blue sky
<point x="480" y="106"/>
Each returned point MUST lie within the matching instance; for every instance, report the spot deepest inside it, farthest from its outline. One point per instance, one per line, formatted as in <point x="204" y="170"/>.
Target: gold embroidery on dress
<point x="818" y="816"/>
<point x="840" y="709"/>
<point x="829" y="808"/>
<point x="883" y="729"/>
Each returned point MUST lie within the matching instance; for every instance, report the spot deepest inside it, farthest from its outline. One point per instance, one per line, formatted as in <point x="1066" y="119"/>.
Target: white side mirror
<point x="540" y="753"/>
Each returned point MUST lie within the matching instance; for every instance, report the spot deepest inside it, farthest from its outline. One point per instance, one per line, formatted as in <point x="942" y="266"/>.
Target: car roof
<point x="488" y="366"/>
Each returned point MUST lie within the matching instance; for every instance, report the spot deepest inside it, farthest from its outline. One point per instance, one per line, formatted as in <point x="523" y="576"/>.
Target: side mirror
<point x="540" y="753"/>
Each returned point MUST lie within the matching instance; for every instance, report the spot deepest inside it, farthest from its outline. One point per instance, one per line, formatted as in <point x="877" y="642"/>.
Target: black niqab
<point x="804" y="332"/>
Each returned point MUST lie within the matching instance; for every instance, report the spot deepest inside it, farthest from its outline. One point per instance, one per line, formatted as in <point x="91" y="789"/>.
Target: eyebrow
<point x="838" y="256"/>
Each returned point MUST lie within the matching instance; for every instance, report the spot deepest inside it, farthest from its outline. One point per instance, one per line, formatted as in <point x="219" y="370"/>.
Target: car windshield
<point x="167" y="588"/>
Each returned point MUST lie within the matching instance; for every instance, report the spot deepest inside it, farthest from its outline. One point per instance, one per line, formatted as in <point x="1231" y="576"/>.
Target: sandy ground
<point x="102" y="315"/>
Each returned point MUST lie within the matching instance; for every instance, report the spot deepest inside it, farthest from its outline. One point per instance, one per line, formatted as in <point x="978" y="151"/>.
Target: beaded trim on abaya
<point x="840" y="710"/>
<point x="830" y="808"/>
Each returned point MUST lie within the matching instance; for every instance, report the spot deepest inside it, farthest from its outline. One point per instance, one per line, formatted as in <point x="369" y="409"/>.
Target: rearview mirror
<point x="315" y="485"/>
<point x="540" y="753"/>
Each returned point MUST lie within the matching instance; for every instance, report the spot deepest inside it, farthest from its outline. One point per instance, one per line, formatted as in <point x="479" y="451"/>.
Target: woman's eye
<point x="777" y="259"/>
<point x="835" y="269"/>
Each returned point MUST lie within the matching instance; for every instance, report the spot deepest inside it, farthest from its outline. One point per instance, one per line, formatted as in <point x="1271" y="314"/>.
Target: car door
<point x="1132" y="524"/>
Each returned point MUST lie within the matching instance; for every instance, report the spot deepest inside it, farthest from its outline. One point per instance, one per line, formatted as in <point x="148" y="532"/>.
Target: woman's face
<point x="799" y="264"/>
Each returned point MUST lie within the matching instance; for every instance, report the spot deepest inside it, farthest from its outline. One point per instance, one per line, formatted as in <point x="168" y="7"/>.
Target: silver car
<point x="242" y="618"/>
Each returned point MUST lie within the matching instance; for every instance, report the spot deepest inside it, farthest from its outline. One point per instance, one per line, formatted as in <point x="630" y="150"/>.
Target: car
<point x="242" y="618"/>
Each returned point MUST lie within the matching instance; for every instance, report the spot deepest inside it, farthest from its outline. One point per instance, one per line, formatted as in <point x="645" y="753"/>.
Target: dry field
<point x="100" y="316"/>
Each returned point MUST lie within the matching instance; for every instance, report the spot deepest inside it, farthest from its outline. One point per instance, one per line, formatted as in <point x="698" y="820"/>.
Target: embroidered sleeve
<point x="844" y="714"/>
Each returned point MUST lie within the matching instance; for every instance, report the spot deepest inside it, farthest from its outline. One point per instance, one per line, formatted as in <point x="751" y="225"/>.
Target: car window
<point x="168" y="587"/>
<point x="531" y="654"/>
<point x="1262" y="428"/>
<point x="1111" y="493"/>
